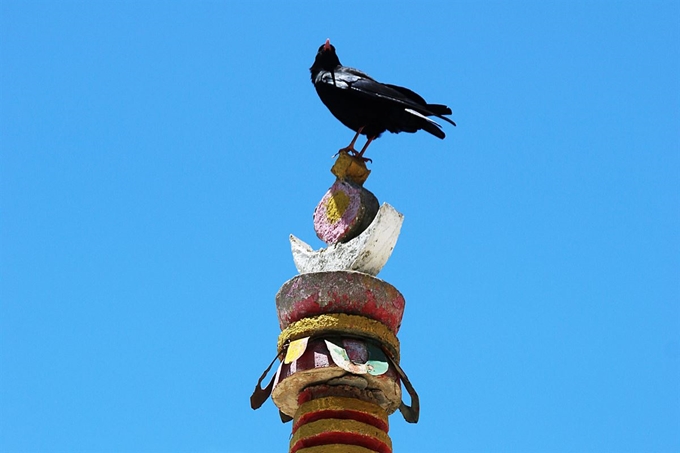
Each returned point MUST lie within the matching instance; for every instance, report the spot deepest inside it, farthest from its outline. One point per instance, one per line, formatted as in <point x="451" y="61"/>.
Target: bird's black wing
<point x="394" y="93"/>
<point x="415" y="106"/>
<point x="342" y="78"/>
<point x="362" y="85"/>
<point x="408" y="93"/>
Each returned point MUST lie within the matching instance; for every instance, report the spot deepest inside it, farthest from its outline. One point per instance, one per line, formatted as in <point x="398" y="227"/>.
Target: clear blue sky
<point x="155" y="156"/>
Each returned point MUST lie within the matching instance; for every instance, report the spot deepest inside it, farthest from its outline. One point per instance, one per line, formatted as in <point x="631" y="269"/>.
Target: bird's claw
<point x="353" y="153"/>
<point x="349" y="150"/>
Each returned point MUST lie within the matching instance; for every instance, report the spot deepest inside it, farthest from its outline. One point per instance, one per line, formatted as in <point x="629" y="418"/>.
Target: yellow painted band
<point x="334" y="425"/>
<point x="341" y="403"/>
<point x="336" y="448"/>
<point x="339" y="323"/>
<point x="336" y="206"/>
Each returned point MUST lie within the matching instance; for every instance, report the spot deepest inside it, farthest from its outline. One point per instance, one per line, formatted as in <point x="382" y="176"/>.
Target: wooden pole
<point x="339" y="376"/>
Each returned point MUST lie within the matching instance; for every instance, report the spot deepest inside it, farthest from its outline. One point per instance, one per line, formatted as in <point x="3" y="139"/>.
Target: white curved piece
<point x="366" y="253"/>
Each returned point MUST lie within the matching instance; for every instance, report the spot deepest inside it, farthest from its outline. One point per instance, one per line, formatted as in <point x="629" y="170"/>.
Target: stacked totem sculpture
<point x="339" y="376"/>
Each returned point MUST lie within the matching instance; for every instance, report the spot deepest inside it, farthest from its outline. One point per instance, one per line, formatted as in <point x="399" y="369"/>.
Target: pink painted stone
<point x="344" y="212"/>
<point x="353" y="293"/>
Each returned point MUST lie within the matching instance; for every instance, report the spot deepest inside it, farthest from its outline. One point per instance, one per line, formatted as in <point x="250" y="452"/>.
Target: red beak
<point x="327" y="46"/>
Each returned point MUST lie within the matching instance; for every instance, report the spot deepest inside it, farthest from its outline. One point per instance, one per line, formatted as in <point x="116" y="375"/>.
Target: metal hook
<point x="411" y="413"/>
<point x="260" y="394"/>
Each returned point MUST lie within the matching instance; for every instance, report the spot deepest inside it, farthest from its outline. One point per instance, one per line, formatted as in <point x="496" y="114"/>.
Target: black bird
<point x="367" y="106"/>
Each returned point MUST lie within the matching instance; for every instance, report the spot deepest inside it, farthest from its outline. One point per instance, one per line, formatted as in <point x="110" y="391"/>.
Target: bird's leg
<point x="360" y="155"/>
<point x="350" y="148"/>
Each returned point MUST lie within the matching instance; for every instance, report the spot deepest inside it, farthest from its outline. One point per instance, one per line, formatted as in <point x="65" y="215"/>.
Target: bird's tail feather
<point x="439" y="110"/>
<point x="428" y="125"/>
<point x="433" y="128"/>
<point x="427" y="109"/>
